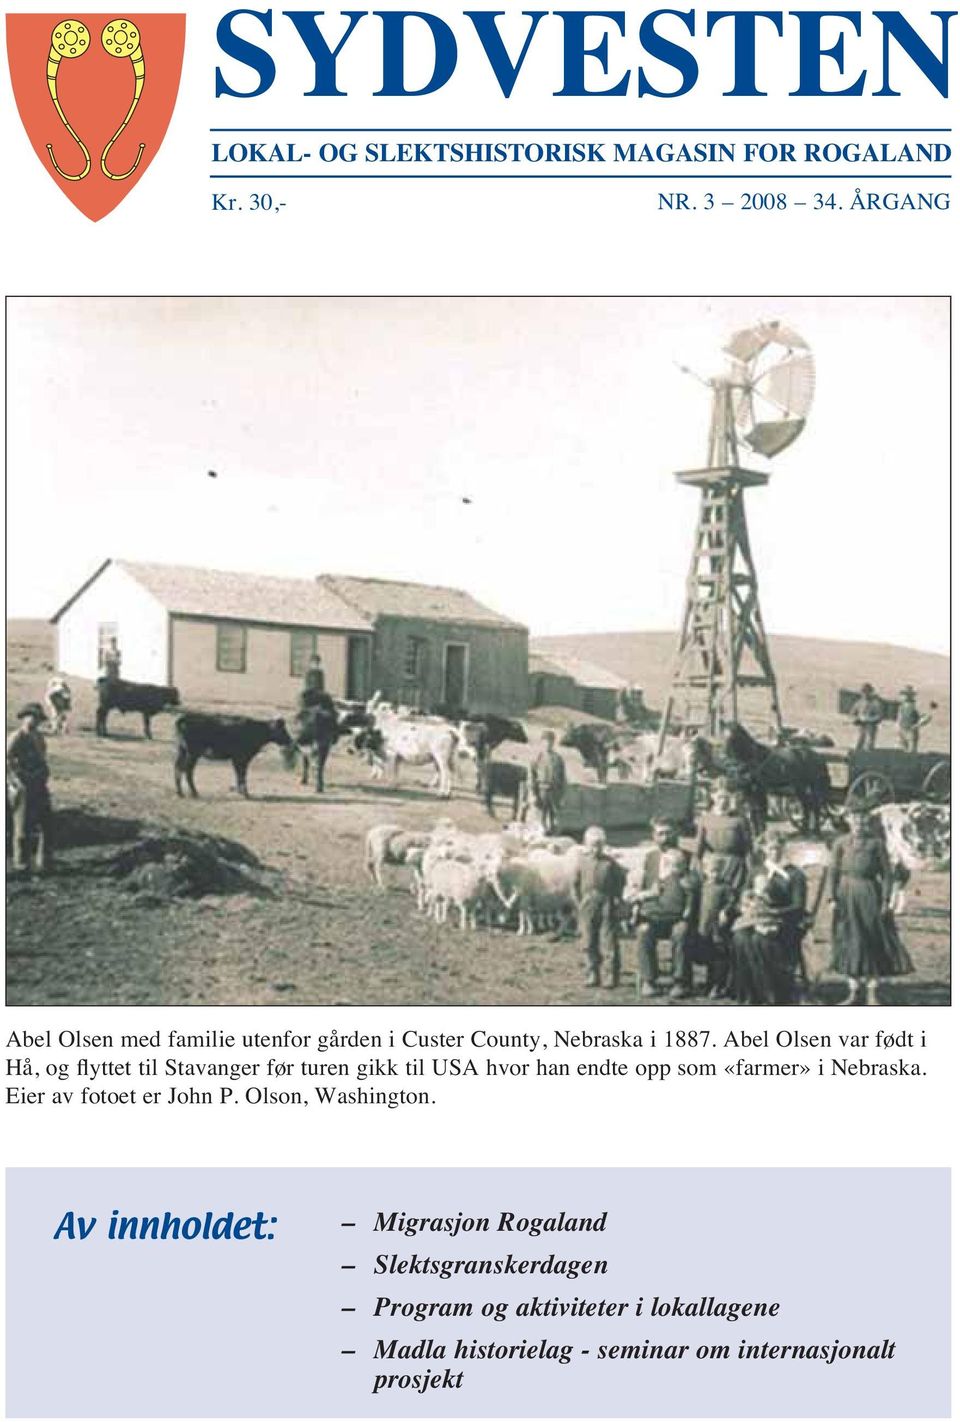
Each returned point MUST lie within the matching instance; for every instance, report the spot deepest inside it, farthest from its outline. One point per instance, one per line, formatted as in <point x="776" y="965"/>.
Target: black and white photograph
<point x="478" y="650"/>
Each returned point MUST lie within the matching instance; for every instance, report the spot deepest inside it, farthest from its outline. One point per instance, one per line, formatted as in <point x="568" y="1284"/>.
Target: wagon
<point x="872" y="777"/>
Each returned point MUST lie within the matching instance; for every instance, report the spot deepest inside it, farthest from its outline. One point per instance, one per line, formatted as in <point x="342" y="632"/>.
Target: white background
<point x="422" y="237"/>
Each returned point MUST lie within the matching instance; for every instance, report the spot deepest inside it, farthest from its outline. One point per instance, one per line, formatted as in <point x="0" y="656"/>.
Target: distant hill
<point x="30" y="644"/>
<point x="810" y="672"/>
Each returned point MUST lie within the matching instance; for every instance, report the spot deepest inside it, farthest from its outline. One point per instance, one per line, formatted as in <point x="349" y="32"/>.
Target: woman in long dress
<point x="866" y="945"/>
<point x="725" y="834"/>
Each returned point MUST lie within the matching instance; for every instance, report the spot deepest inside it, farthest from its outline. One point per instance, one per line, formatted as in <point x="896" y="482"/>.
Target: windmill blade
<point x="769" y="437"/>
<point x="789" y="385"/>
<point x="746" y="345"/>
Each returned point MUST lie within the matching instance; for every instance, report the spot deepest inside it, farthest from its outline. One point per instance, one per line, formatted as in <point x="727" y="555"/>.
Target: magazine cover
<point x="478" y="594"/>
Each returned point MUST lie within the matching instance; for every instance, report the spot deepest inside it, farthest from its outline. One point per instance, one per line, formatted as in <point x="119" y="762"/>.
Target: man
<point x="28" y="794"/>
<point x="111" y="661"/>
<point x="668" y="912"/>
<point x="665" y="838"/>
<point x="909" y="720"/>
<point x="313" y="678"/>
<point x="866" y="715"/>
<point x="548" y="781"/>
<point x="598" y="888"/>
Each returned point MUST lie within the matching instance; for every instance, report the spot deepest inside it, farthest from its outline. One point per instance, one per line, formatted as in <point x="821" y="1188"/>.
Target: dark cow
<point x="139" y="696"/>
<point x="234" y="738"/>
<point x="503" y="777"/>
<point x="480" y="736"/>
<point x="317" y="730"/>
<point x="595" y="743"/>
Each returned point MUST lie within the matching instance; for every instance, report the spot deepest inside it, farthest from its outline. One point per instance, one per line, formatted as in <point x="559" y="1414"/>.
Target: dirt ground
<point x="310" y="928"/>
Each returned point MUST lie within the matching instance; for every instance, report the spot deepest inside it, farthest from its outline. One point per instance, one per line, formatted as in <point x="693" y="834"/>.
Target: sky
<point x="521" y="448"/>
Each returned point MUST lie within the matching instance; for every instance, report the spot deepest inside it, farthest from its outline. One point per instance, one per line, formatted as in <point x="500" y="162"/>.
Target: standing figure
<point x="110" y="668"/>
<point x="548" y="781"/>
<point x="718" y="906"/>
<point x="725" y="833"/>
<point x="866" y="945"/>
<point x="28" y="793"/>
<point x="909" y="720"/>
<point x="668" y="912"/>
<point x="313" y="678"/>
<point x="866" y="715"/>
<point x="598" y="889"/>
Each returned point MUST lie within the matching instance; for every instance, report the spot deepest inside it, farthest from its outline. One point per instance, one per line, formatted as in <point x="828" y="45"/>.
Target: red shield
<point x="95" y="94"/>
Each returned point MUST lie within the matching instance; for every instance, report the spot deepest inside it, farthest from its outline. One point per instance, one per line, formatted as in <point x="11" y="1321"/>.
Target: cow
<point x="317" y="730"/>
<point x="234" y="738"/>
<point x="57" y="702"/>
<point x="503" y="777"/>
<point x="124" y="696"/>
<point x="917" y="836"/>
<point x="418" y="741"/>
<point x="596" y="745"/>
<point x="480" y="736"/>
<point x="681" y="756"/>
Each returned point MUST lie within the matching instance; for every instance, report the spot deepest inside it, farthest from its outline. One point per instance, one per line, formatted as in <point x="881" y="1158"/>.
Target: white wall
<point x="141" y="629"/>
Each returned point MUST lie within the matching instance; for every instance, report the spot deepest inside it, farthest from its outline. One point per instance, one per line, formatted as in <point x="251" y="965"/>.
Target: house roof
<point x="245" y="597"/>
<point x="583" y="672"/>
<point x="383" y="597"/>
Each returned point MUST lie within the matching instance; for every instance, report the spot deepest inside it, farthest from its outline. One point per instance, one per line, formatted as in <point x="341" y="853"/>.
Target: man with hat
<point x="28" y="794"/>
<point x="866" y="715"/>
<point x="909" y="720"/>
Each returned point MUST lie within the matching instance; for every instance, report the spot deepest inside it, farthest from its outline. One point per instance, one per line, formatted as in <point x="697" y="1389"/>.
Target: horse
<point x="778" y="770"/>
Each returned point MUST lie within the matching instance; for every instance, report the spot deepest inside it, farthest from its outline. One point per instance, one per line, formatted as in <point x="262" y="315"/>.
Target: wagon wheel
<point x="936" y="785"/>
<point x="870" y="789"/>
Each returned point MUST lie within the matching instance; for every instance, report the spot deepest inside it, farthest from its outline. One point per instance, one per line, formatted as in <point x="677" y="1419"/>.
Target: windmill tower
<point x="723" y="664"/>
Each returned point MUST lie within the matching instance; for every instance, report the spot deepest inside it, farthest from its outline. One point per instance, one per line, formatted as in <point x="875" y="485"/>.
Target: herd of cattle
<point x="385" y="736"/>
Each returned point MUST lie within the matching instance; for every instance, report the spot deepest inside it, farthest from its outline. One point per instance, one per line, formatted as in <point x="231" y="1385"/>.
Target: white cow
<point x="638" y="756"/>
<point x="421" y="740"/>
<point x="917" y="836"/>
<point x="57" y="703"/>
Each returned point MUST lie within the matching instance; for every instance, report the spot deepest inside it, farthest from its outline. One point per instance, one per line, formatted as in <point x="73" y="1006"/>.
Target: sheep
<point x="390" y="844"/>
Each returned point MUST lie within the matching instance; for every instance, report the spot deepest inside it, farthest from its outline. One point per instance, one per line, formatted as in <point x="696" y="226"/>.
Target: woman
<point x="769" y="932"/>
<point x="866" y="945"/>
<point x="725" y="834"/>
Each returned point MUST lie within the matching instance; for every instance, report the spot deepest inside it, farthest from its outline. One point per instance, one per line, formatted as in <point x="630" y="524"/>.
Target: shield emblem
<point x="95" y="95"/>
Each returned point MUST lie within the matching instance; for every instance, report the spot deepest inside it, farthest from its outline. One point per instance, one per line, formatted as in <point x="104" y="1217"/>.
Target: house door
<point x="358" y="662"/>
<point x="455" y="675"/>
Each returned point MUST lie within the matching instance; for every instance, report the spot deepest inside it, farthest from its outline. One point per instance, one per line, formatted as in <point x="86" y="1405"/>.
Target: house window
<point x="231" y="647"/>
<point x="415" y="658"/>
<point x="106" y="637"/>
<point x="303" y="646"/>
